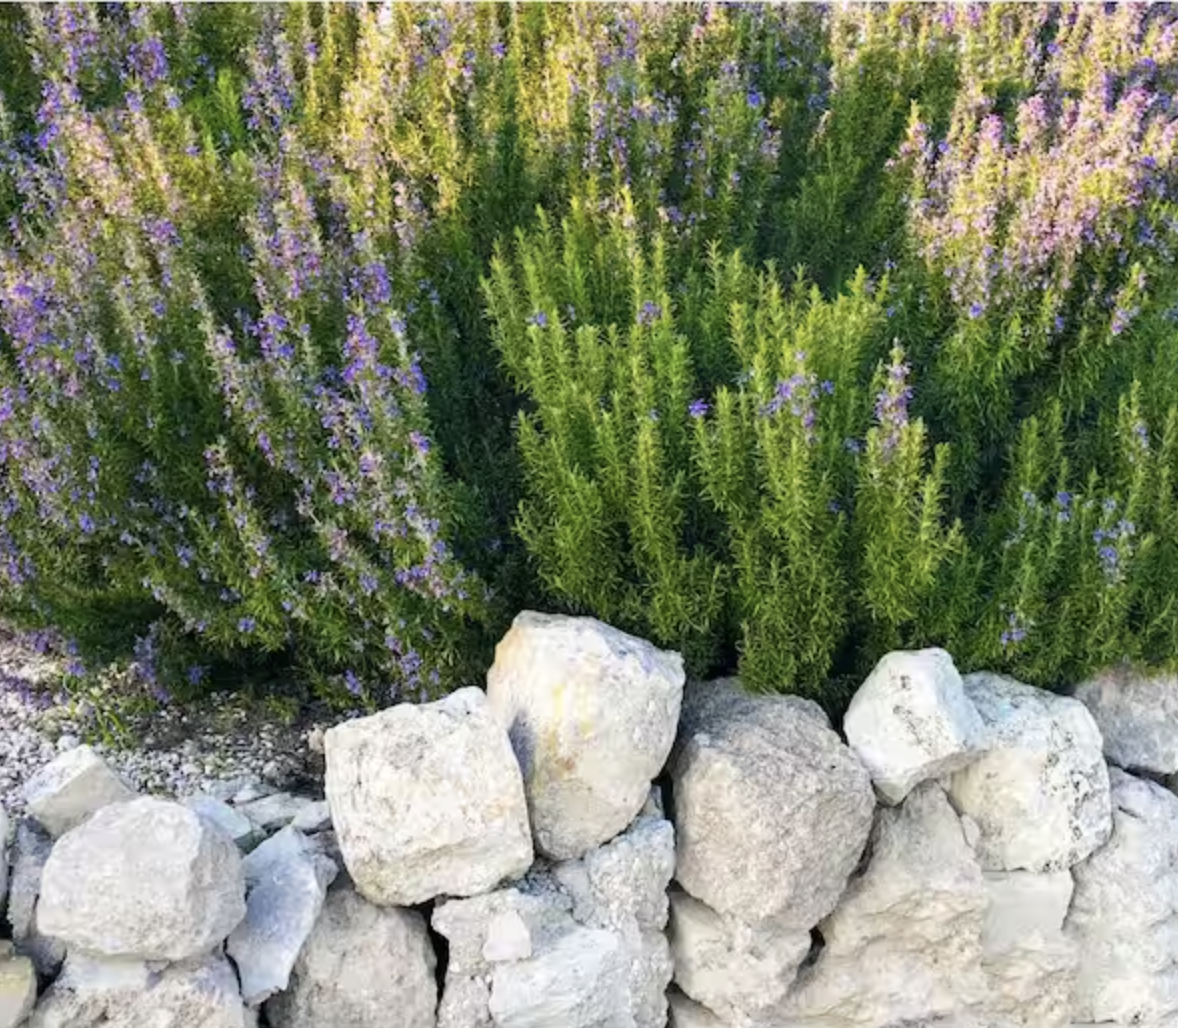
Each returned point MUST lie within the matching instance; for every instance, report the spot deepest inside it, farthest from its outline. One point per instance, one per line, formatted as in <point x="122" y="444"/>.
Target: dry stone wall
<point x="595" y="843"/>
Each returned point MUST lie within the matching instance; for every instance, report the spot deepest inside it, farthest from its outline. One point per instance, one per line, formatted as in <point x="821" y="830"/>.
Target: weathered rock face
<point x="360" y="964"/>
<point x="29" y="855"/>
<point x="18" y="986"/>
<point x="233" y="823"/>
<point x="686" y="1013"/>
<point x="1124" y="914"/>
<point x="101" y="993"/>
<point x="1137" y="715"/>
<point x="904" y="944"/>
<point x="1040" y="793"/>
<point x="71" y="788"/>
<point x="286" y="881"/>
<point x="911" y="721"/>
<point x="592" y="714"/>
<point x="427" y="801"/>
<point x="771" y="809"/>
<point x="145" y="879"/>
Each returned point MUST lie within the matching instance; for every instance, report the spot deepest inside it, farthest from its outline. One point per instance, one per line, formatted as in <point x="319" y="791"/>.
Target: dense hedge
<point x="332" y="335"/>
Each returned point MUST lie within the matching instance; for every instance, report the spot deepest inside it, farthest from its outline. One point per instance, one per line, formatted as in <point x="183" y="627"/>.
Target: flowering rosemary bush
<point x="330" y="335"/>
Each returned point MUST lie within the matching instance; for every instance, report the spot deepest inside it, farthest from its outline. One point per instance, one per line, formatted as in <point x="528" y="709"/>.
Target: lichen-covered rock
<point x="30" y="852"/>
<point x="1137" y="714"/>
<point x="911" y="721"/>
<point x="736" y="970"/>
<point x="904" y="944"/>
<point x="70" y="788"/>
<point x="592" y="713"/>
<point x="286" y="881"/>
<point x="102" y="993"/>
<point x="427" y="800"/>
<point x="18" y="987"/>
<point x="360" y="963"/>
<point x="146" y="879"/>
<point x="771" y="809"/>
<point x="1040" y="793"/>
<point x="1124" y="913"/>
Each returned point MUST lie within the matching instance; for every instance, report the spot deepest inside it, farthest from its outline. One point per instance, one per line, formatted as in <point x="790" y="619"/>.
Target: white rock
<point x="1124" y="914"/>
<point x="361" y="964"/>
<point x="234" y="824"/>
<point x="1040" y="793"/>
<point x="30" y="853"/>
<point x="146" y="879"/>
<point x="1137" y="714"/>
<point x="270" y="813"/>
<point x="314" y="817"/>
<point x="508" y="938"/>
<point x="72" y="787"/>
<point x="427" y="801"/>
<point x="105" y="993"/>
<point x="686" y="1013"/>
<point x="904" y="944"/>
<point x="591" y="712"/>
<point x="286" y="881"/>
<point x="18" y="987"/>
<point x="737" y="971"/>
<point x="771" y="809"/>
<point x="911" y="721"/>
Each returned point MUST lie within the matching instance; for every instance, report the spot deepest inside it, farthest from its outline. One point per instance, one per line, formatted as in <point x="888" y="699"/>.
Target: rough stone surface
<point x="427" y="801"/>
<point x="1030" y="965"/>
<point x="911" y="721"/>
<point x="233" y="823"/>
<point x="904" y="944"/>
<point x="270" y="813"/>
<point x="71" y="788"/>
<point x="360" y="963"/>
<point x="1137" y="715"/>
<point x="103" y="993"/>
<point x="146" y="879"/>
<point x="286" y="880"/>
<point x="3" y="857"/>
<point x="30" y="851"/>
<point x="18" y="987"/>
<point x="1124" y="914"/>
<point x="1040" y="793"/>
<point x="771" y="809"/>
<point x="686" y="1013"/>
<point x="592" y="713"/>
<point x="314" y="817"/>
<point x="736" y="970"/>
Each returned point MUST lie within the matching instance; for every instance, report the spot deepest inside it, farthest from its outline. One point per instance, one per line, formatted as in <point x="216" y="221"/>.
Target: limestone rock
<point x="233" y="823"/>
<point x="314" y="817"/>
<point x="104" y="993"/>
<point x="427" y="800"/>
<point x="276" y="811"/>
<point x="1124" y="914"/>
<point x="771" y="809"/>
<point x="1137" y="714"/>
<point x="686" y="1013"/>
<point x="736" y="970"/>
<point x="286" y="881"/>
<point x="911" y="721"/>
<point x="70" y="788"/>
<point x="29" y="855"/>
<point x="904" y="944"/>
<point x="18" y="987"/>
<point x="360" y="963"/>
<point x="1040" y="793"/>
<point x="146" y="879"/>
<point x="591" y="712"/>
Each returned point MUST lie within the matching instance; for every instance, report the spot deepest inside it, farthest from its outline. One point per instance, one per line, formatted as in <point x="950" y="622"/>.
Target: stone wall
<point x="591" y="843"/>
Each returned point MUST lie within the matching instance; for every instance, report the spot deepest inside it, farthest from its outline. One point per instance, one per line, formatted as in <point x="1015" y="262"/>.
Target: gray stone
<point x="30" y="852"/>
<point x="146" y="879"/>
<point x="286" y="881"/>
<point x="234" y="824"/>
<point x="591" y="712"/>
<point x="1137" y="714"/>
<point x="427" y="800"/>
<point x="360" y="964"/>
<point x="270" y="813"/>
<point x="314" y="817"/>
<point x="104" y="993"/>
<point x="18" y="987"/>
<point x="1040" y="794"/>
<point x="771" y="809"/>
<point x="911" y="721"/>
<point x="686" y="1013"/>
<point x="70" y="788"/>
<point x="3" y="857"/>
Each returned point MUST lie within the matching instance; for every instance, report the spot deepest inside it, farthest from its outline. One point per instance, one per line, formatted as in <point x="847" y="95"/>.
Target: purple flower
<point x="419" y="442"/>
<point x="539" y="319"/>
<point x="649" y="313"/>
<point x="246" y="625"/>
<point x="195" y="674"/>
<point x="352" y="683"/>
<point x="698" y="408"/>
<point x="754" y="98"/>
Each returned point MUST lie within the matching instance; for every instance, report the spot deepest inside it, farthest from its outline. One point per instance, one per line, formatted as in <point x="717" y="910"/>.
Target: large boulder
<point x="30" y="852"/>
<point x="147" y="879"/>
<point x="1040" y="793"/>
<point x="70" y="788"/>
<point x="904" y="944"/>
<point x="1124" y="913"/>
<point x="427" y="800"/>
<point x="18" y="986"/>
<point x="1137" y="714"/>
<point x="592" y="714"/>
<point x="360" y="962"/>
<point x="771" y="809"/>
<point x="286" y="881"/>
<point x="911" y="721"/>
<point x="101" y="993"/>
